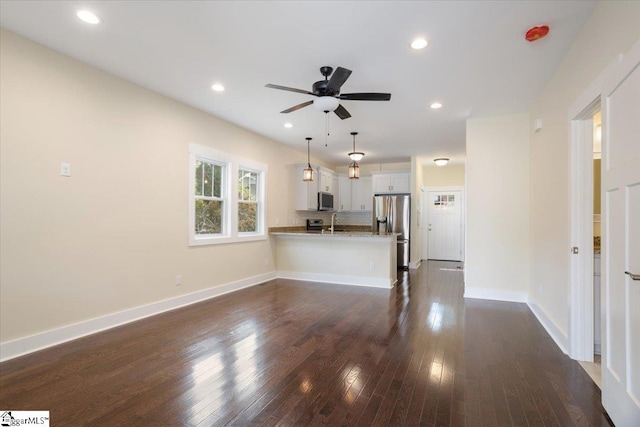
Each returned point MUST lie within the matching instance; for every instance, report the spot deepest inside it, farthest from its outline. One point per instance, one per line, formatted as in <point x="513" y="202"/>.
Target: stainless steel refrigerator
<point x="392" y="214"/>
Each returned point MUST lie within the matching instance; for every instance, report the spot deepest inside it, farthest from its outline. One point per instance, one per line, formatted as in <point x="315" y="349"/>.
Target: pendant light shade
<point x="307" y="173"/>
<point x="354" y="169"/>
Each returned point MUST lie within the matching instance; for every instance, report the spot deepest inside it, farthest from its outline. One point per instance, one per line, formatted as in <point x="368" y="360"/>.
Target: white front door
<point x="621" y="243"/>
<point x="444" y="226"/>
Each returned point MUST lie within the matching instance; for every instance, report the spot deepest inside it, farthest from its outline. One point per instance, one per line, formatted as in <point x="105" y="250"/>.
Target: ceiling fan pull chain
<point x="326" y="139"/>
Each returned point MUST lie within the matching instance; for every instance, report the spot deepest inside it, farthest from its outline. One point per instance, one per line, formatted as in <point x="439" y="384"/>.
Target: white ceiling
<point x="477" y="64"/>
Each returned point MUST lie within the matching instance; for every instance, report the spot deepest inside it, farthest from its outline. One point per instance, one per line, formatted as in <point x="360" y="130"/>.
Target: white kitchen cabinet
<point x="391" y="182"/>
<point x="307" y="192"/>
<point x="326" y="181"/>
<point x="336" y="193"/>
<point x="361" y="194"/>
<point x="344" y="194"/>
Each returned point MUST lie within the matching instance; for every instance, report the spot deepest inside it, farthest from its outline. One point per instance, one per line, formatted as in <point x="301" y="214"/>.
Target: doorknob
<point x="633" y="276"/>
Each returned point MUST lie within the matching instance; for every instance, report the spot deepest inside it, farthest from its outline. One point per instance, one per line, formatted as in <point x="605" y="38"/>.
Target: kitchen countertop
<point x="336" y="234"/>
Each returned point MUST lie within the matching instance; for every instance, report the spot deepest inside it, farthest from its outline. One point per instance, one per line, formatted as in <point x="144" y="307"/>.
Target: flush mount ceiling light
<point x="354" y="169"/>
<point x="88" y="17"/>
<point x="419" y="43"/>
<point x="288" y="125"/>
<point x="326" y="103"/>
<point x="217" y="87"/>
<point x="436" y="105"/>
<point x="441" y="161"/>
<point x="307" y="173"/>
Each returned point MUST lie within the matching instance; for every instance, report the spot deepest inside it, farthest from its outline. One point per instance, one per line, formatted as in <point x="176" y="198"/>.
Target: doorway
<point x="443" y="237"/>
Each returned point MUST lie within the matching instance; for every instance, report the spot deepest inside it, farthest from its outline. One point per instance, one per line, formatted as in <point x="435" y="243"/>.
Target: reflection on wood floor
<point x="296" y="353"/>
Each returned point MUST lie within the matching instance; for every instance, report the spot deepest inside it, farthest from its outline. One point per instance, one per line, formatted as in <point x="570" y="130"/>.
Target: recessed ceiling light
<point x="418" y="44"/>
<point x="436" y="105"/>
<point x="88" y="17"/>
<point x="288" y="125"/>
<point x="217" y="87"/>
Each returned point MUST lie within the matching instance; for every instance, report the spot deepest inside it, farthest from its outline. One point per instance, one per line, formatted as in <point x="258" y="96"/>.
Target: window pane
<point x="217" y="181"/>
<point x="247" y="185"/>
<point x="208" y="217"/>
<point x="208" y="179"/>
<point x="199" y="171"/>
<point x="247" y="217"/>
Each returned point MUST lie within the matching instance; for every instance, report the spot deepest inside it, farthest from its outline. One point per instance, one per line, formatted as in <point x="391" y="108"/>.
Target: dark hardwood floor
<point x="296" y="353"/>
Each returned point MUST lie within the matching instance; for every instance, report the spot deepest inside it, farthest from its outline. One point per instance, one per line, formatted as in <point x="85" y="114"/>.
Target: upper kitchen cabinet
<point x="307" y="192"/>
<point x="344" y="191"/>
<point x="361" y="194"/>
<point x="391" y="182"/>
<point x="326" y="181"/>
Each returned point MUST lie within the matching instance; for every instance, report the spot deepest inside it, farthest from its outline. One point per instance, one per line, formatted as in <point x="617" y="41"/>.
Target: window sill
<point x="208" y="241"/>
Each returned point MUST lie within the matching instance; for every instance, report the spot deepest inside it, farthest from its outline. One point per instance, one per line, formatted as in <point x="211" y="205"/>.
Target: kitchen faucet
<point x="333" y="216"/>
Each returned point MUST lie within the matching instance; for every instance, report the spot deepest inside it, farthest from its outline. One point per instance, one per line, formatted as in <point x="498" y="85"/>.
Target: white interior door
<point x="444" y="226"/>
<point x="621" y="242"/>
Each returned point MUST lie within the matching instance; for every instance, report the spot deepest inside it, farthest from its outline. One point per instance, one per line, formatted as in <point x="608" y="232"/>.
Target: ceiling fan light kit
<point x="326" y="103"/>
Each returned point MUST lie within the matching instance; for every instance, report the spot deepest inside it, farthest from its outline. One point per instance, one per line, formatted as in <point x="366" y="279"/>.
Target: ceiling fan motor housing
<point x="320" y="88"/>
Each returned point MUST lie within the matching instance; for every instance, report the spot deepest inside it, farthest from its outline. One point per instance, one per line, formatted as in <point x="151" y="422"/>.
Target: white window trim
<point x="233" y="164"/>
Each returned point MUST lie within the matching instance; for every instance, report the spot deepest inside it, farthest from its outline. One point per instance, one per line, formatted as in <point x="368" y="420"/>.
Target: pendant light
<point x="307" y="173"/>
<point x="354" y="169"/>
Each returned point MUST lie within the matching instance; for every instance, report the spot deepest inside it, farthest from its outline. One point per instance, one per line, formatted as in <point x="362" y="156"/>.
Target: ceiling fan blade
<point x="297" y="107"/>
<point x="342" y="112"/>
<point x="290" y="89"/>
<point x="337" y="79"/>
<point x="367" y="96"/>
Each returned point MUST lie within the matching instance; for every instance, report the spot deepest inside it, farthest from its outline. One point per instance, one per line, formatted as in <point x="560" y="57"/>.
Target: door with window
<point x="444" y="225"/>
<point x="620" y="273"/>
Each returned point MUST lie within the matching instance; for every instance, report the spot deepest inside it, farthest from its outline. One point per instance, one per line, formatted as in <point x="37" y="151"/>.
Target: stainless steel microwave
<point x="325" y="201"/>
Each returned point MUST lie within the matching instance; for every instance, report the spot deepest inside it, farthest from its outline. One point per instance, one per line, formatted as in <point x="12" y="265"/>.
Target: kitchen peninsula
<point x="348" y="257"/>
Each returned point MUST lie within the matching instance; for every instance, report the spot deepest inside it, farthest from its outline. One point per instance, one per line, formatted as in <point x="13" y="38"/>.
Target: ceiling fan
<point x="328" y="93"/>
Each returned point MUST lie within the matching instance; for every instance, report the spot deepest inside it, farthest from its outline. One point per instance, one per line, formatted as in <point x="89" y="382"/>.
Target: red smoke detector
<point x="535" y="33"/>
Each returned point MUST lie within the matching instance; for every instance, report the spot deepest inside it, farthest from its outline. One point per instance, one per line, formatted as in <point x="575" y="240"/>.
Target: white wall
<point x="114" y="235"/>
<point x="497" y="188"/>
<point x="612" y="29"/>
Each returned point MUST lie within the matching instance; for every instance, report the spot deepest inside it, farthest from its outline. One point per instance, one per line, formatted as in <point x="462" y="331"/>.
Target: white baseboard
<point x="22" y="346"/>
<point x="560" y="338"/>
<point x="415" y="265"/>
<point x="495" y="294"/>
<point x="371" y="282"/>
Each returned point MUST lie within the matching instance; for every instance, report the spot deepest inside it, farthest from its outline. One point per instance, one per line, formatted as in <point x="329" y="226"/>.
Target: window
<point x="223" y="209"/>
<point x="248" y="204"/>
<point x="209" y="198"/>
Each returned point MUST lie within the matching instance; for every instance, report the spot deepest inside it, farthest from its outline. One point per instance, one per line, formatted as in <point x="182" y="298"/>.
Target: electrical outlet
<point x="277" y="221"/>
<point x="372" y="266"/>
<point x="178" y="280"/>
<point x="266" y="261"/>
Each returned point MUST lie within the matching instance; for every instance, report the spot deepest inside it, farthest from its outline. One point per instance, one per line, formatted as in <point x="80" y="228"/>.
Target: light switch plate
<point x="65" y="169"/>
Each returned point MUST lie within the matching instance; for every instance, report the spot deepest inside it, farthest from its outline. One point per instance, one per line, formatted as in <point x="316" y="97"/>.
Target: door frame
<point x="425" y="212"/>
<point x="580" y="297"/>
